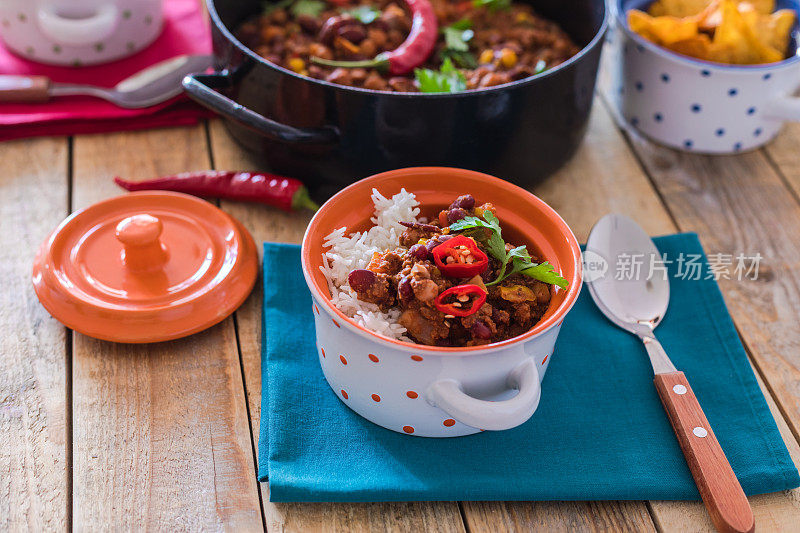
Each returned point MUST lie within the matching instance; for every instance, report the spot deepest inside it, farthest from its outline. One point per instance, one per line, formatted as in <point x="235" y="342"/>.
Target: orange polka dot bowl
<point x="433" y="391"/>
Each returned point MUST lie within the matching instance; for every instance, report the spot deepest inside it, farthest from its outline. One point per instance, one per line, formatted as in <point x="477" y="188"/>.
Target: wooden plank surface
<point x="162" y="432"/>
<point x="161" y="439"/>
<point x="34" y="476"/>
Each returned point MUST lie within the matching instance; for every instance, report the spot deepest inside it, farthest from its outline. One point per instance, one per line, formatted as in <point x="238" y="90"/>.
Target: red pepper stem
<point x="301" y="200"/>
<point x="379" y="62"/>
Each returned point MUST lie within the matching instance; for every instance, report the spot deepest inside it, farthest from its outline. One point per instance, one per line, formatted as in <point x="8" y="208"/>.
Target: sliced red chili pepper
<point x="461" y="306"/>
<point x="459" y="267"/>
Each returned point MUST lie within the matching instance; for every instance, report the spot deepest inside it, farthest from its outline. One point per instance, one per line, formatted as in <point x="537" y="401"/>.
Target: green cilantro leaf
<point x="493" y="5"/>
<point x="364" y="14"/>
<point x="461" y="59"/>
<point x="544" y="272"/>
<point x="312" y="8"/>
<point x="457" y="35"/>
<point x="520" y="259"/>
<point x="269" y="7"/>
<point x="448" y="79"/>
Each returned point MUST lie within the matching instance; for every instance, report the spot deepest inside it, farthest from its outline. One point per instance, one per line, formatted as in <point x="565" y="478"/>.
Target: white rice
<point x="348" y="252"/>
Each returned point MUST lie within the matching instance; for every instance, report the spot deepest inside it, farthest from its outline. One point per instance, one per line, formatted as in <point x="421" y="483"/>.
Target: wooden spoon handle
<point x="24" y="88"/>
<point x="723" y="496"/>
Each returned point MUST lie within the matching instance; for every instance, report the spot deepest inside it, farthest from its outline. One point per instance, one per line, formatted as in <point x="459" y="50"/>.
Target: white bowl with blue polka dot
<point x="697" y="105"/>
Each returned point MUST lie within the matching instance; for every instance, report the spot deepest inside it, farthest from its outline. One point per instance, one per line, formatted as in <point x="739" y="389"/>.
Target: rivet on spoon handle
<point x="721" y="492"/>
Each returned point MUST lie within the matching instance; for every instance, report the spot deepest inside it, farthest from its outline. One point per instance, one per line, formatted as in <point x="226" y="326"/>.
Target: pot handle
<point x="446" y="394"/>
<point x="201" y="88"/>
<point x="785" y="107"/>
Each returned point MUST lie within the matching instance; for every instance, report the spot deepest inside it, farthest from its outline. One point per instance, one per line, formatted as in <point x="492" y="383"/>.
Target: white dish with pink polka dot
<point x="79" y="32"/>
<point x="432" y="391"/>
<point x="696" y="105"/>
<point x="429" y="394"/>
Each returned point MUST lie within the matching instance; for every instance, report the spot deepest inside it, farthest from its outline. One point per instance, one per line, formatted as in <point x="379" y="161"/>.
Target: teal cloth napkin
<point x="599" y="433"/>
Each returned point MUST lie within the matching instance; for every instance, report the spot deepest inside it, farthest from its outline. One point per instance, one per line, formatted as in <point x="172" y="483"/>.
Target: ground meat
<point x="507" y="44"/>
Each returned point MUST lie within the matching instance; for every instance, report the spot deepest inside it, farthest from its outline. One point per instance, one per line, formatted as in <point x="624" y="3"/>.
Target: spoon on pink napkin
<point x="153" y="85"/>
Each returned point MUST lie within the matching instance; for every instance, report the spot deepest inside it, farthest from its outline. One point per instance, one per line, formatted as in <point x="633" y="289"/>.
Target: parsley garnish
<point x="456" y="38"/>
<point x="518" y="258"/>
<point x="364" y="14"/>
<point x="458" y="34"/>
<point x="448" y="79"/>
<point x="493" y="5"/>
<point x="312" y="8"/>
<point x="269" y="7"/>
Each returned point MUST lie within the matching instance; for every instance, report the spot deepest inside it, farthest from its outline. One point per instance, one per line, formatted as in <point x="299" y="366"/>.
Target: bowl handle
<point x="202" y="89"/>
<point x="78" y="31"/>
<point x="782" y="108"/>
<point x="447" y="395"/>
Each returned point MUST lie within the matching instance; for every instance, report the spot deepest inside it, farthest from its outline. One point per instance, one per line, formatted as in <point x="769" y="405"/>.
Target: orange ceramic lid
<point x="145" y="267"/>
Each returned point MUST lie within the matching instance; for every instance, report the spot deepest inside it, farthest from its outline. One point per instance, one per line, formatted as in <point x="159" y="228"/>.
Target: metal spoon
<point x="148" y="87"/>
<point x="637" y="305"/>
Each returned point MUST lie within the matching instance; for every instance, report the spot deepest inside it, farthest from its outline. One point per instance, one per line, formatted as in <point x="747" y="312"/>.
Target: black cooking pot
<point x="332" y="135"/>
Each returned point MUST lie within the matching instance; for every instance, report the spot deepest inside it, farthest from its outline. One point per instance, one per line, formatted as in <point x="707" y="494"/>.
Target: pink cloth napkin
<point x="186" y="31"/>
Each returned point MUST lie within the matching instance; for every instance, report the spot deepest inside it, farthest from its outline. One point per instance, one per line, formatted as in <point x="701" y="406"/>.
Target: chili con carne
<point x="463" y="265"/>
<point x="277" y="191"/>
<point x="462" y="295"/>
<point x="412" y="53"/>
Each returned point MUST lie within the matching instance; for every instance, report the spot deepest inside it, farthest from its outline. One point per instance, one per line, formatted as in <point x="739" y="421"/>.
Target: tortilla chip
<point x="677" y="8"/>
<point x="765" y="7"/>
<point x="735" y="40"/>
<point x="698" y="46"/>
<point x="662" y="30"/>
<point x="774" y="30"/>
<point x="726" y="31"/>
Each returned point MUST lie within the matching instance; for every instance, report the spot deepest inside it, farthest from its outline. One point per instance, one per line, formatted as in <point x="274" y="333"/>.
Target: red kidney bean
<point x="332" y="26"/>
<point x="418" y="251"/>
<point x="355" y="33"/>
<point x="481" y="331"/>
<point x="405" y="290"/>
<point x="361" y="280"/>
<point x="454" y="215"/>
<point x="436" y="241"/>
<point x="308" y="23"/>
<point x="466" y="201"/>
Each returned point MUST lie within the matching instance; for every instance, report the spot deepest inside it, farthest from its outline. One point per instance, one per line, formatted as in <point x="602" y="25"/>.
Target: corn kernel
<point x="297" y="64"/>
<point x="523" y="17"/>
<point x="486" y="56"/>
<point x="508" y="58"/>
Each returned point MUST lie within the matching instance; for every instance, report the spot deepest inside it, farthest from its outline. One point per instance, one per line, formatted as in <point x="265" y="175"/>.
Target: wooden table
<point x="95" y="435"/>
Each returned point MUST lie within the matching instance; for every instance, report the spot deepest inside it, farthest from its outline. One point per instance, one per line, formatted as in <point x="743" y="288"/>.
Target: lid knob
<point x="143" y="251"/>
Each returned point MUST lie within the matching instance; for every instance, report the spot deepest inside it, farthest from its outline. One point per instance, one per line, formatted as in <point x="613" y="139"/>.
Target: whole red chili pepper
<point x="460" y="267"/>
<point x="461" y="295"/>
<point x="409" y="55"/>
<point x="270" y="189"/>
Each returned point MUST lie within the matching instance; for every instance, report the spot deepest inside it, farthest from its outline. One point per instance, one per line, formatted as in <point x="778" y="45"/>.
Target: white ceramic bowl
<point x="697" y="105"/>
<point x="79" y="32"/>
<point x="433" y="391"/>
